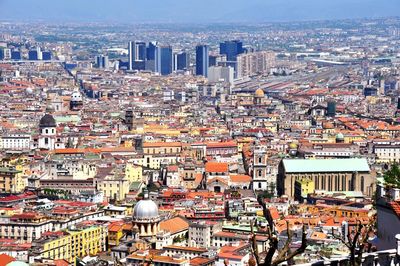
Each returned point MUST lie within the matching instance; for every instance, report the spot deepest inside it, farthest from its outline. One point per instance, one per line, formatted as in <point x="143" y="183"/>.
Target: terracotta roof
<point x="396" y="207"/>
<point x="161" y="144"/>
<point x="221" y="144"/>
<point x="274" y="213"/>
<point x="199" y="261"/>
<point x="5" y="259"/>
<point x="61" y="263"/>
<point x="174" y="225"/>
<point x="240" y="178"/>
<point x="216" y="167"/>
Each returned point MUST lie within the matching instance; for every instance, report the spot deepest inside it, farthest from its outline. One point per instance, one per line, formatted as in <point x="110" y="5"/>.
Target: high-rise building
<point x="46" y="55"/>
<point x="136" y="53"/>
<point x="33" y="55"/>
<point x="163" y="60"/>
<point x="140" y="51"/>
<point x="251" y="64"/>
<point x="202" y="60"/>
<point x="151" y="56"/>
<point x="221" y="73"/>
<point x="331" y="109"/>
<point x="131" y="53"/>
<point x="7" y="53"/>
<point x="231" y="49"/>
<point x="102" y="61"/>
<point x="215" y="60"/>
<point x="16" y="55"/>
<point x="181" y="61"/>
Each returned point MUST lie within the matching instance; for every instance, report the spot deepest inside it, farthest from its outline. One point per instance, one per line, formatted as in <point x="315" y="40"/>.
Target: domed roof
<point x="293" y="146"/>
<point x="340" y="136"/>
<point x="259" y="93"/>
<point x="145" y="209"/>
<point x="29" y="90"/>
<point x="17" y="263"/>
<point x="47" y="121"/>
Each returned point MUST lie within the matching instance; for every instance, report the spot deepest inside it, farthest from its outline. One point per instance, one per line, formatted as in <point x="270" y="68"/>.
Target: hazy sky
<point x="200" y="11"/>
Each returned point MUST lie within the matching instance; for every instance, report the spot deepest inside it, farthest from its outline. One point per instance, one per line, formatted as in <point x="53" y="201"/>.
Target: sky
<point x="194" y="11"/>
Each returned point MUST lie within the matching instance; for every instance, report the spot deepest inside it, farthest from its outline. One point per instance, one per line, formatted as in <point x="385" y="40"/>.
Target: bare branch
<point x="254" y="244"/>
<point x="298" y="251"/>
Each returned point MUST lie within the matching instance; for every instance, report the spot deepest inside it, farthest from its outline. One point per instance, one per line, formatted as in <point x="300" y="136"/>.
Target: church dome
<point x="259" y="93"/>
<point x="293" y="146"/>
<point x="340" y="136"/>
<point x="145" y="209"/>
<point x="47" y="121"/>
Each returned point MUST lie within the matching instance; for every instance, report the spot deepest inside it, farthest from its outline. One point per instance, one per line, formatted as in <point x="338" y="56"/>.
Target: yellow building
<point x="302" y="188"/>
<point x="11" y="180"/>
<point x="84" y="239"/>
<point x="116" y="231"/>
<point x="133" y="173"/>
<point x="115" y="188"/>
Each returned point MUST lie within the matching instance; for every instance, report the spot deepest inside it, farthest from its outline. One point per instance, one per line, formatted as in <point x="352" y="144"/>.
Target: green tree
<point x="392" y="177"/>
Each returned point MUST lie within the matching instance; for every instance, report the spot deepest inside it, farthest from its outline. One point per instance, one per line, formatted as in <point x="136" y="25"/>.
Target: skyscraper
<point x="181" y="61"/>
<point x="140" y="51"/>
<point x="256" y="63"/>
<point x="163" y="60"/>
<point x="35" y="54"/>
<point x="136" y="55"/>
<point x="202" y="60"/>
<point x="102" y="61"/>
<point x="16" y="55"/>
<point x="46" y="55"/>
<point x="131" y="53"/>
<point x="231" y="49"/>
<point x="151" y="56"/>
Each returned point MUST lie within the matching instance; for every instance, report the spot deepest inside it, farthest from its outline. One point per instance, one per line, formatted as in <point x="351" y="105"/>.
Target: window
<point x="362" y="183"/>
<point x="343" y="182"/>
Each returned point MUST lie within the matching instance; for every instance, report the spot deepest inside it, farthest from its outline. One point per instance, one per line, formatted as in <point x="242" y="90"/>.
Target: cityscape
<point x="199" y="143"/>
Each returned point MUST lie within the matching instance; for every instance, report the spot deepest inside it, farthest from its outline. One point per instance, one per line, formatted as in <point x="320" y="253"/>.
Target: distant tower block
<point x="331" y="109"/>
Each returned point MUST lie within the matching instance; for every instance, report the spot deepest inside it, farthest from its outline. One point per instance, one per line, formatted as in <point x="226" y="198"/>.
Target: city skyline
<point x="207" y="11"/>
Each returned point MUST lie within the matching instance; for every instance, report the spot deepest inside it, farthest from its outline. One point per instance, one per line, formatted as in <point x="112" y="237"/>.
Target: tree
<point x="392" y="176"/>
<point x="284" y="254"/>
<point x="357" y="241"/>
